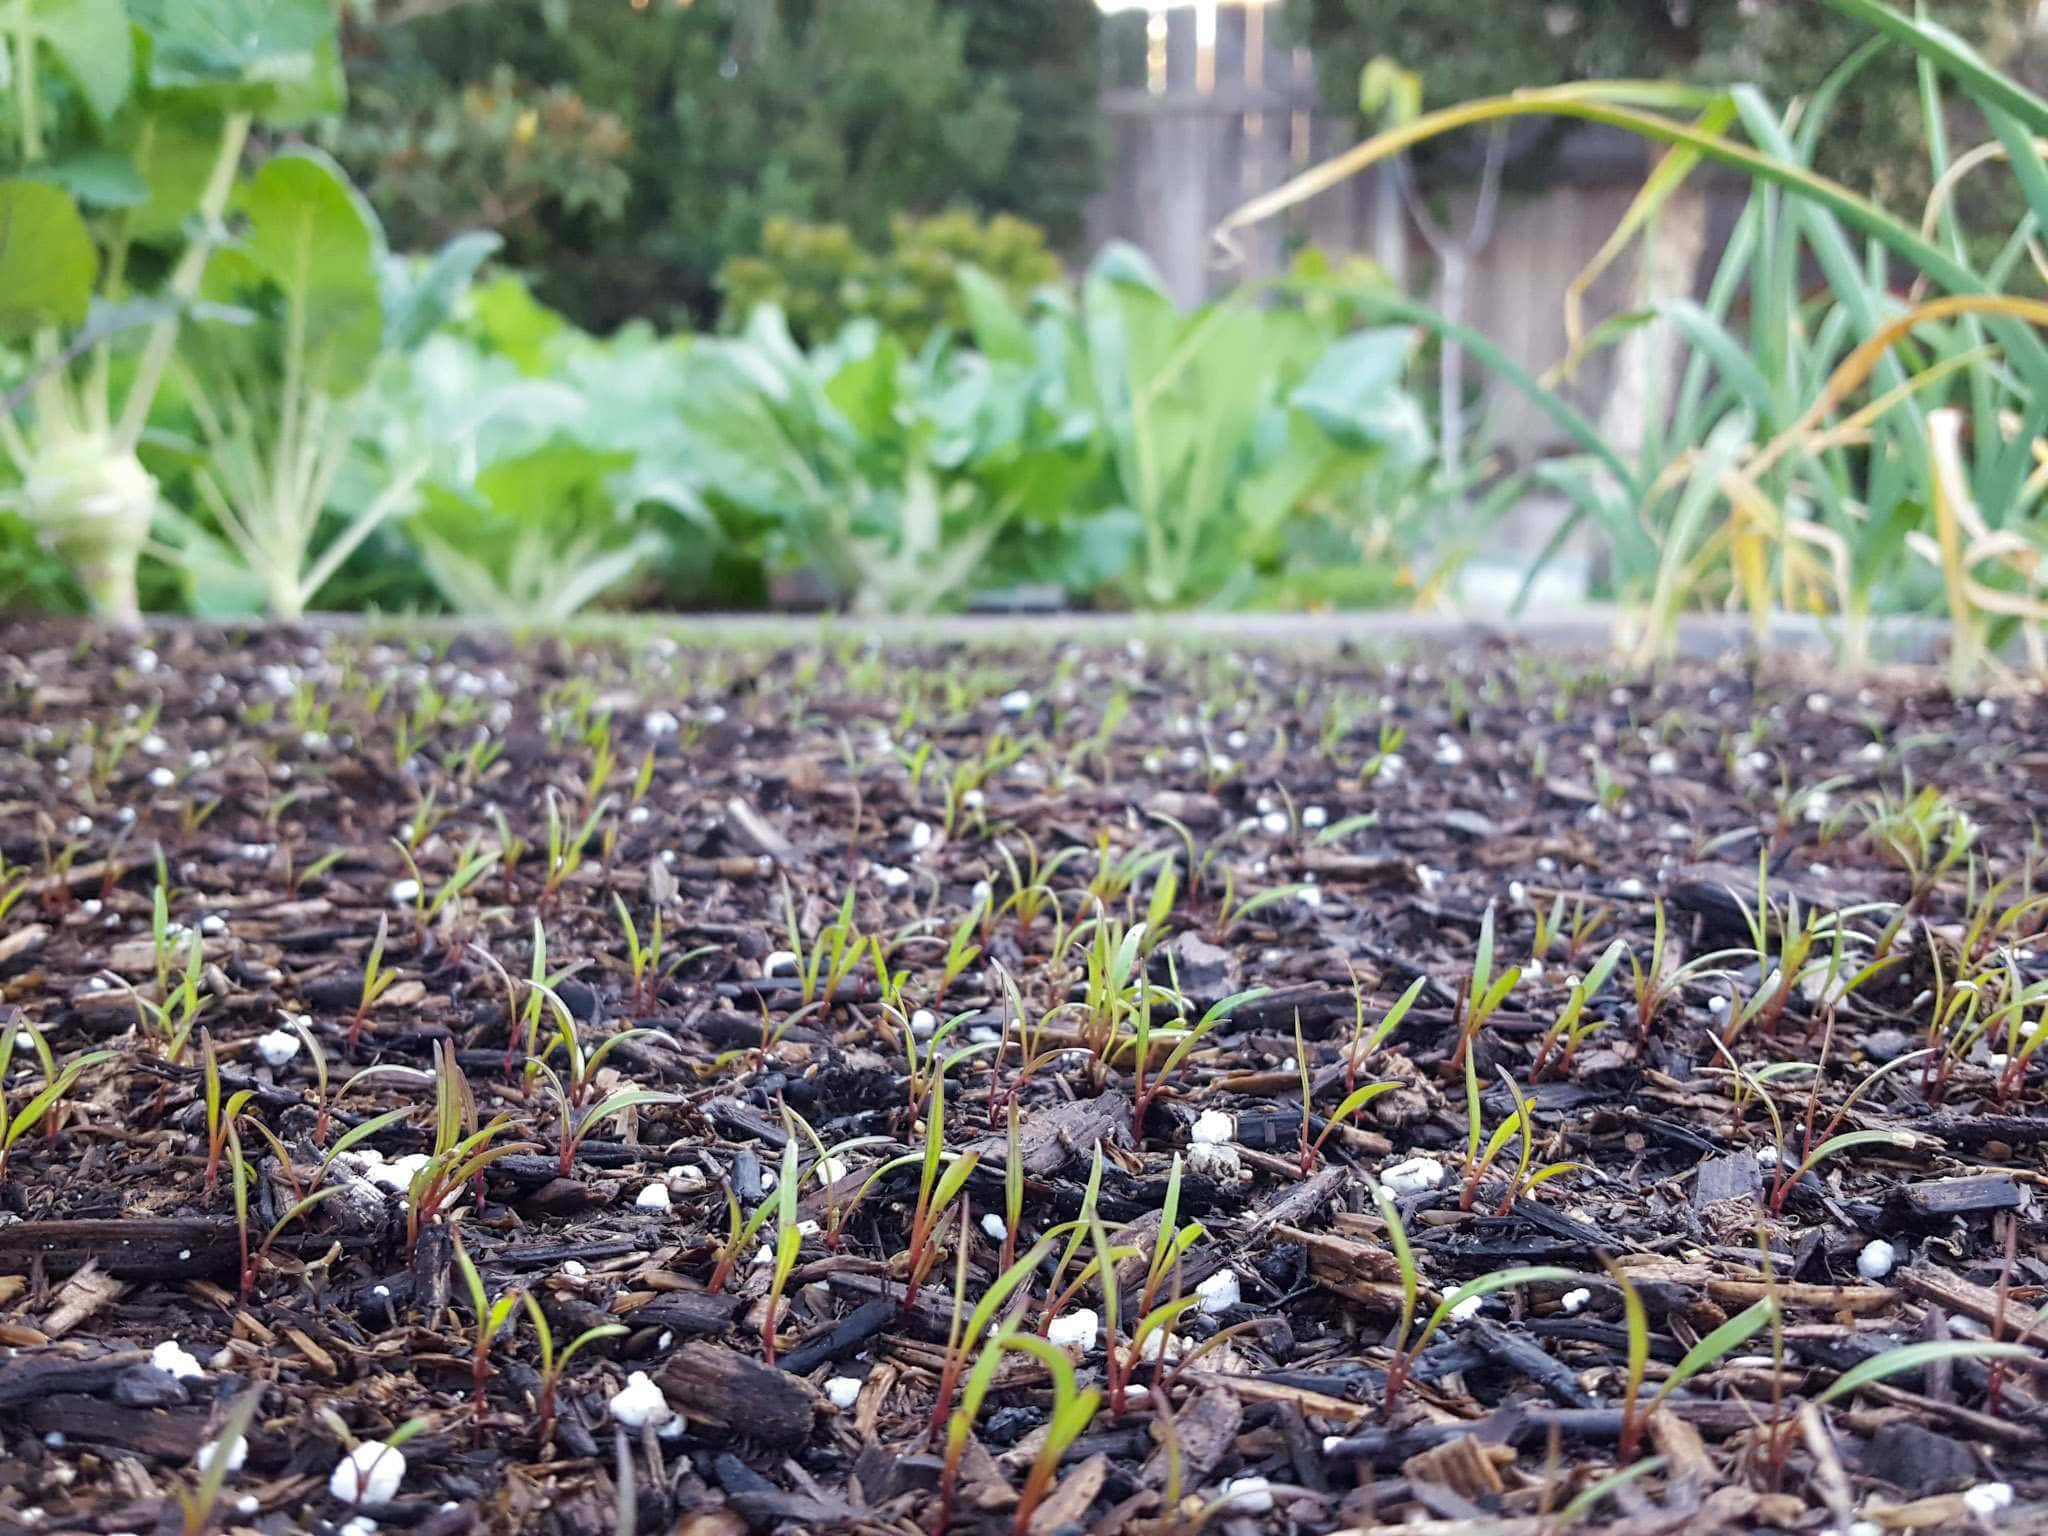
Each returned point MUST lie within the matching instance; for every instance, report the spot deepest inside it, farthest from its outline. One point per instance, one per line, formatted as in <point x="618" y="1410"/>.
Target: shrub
<point x="820" y="276"/>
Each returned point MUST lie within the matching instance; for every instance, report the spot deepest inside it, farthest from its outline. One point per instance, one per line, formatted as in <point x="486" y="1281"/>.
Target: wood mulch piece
<point x="289" y="787"/>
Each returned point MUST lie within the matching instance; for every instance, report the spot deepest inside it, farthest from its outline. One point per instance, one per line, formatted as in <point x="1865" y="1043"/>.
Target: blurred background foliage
<point x="677" y="133"/>
<point x="513" y="307"/>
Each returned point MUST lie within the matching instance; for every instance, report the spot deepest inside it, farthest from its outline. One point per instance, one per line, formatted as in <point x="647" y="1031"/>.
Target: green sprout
<point x="789" y="1240"/>
<point x="47" y="1102"/>
<point x="377" y="980"/>
<point x="199" y="1507"/>
<point x="490" y="1319"/>
<point x="461" y="1150"/>
<point x="1353" y="1102"/>
<point x="1483" y="992"/>
<point x="1573" y="1027"/>
<point x="1405" y="1352"/>
<point x="217" y="1114"/>
<point x="553" y="1366"/>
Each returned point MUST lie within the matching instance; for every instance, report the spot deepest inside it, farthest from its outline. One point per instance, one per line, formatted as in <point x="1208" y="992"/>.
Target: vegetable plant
<point x="1353" y="1102"/>
<point x="488" y="1318"/>
<point x="377" y="981"/>
<point x="788" y="1241"/>
<point x="1519" y="1123"/>
<point x="1573" y="1027"/>
<point x="46" y="1103"/>
<point x="460" y="1151"/>
<point x="1406" y="1351"/>
<point x="145" y="186"/>
<point x="1759" y="484"/>
<point x="554" y="1366"/>
<point x="1483" y="992"/>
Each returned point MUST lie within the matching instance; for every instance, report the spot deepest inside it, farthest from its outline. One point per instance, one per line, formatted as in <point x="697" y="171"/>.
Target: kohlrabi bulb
<point x="92" y="502"/>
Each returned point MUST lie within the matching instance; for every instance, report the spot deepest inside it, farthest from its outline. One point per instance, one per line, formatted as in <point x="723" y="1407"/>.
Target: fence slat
<point x="1183" y="158"/>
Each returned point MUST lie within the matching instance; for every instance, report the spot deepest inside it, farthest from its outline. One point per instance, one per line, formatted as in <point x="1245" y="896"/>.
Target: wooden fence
<point x="1209" y="104"/>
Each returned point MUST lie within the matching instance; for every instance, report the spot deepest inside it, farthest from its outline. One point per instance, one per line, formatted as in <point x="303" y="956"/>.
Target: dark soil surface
<point x="1325" y="833"/>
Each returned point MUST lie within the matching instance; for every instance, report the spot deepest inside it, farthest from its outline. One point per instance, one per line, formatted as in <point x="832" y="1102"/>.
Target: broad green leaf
<point x="550" y="484"/>
<point x="173" y="142"/>
<point x="419" y="297"/>
<point x="47" y="261"/>
<point x="1348" y="391"/>
<point x="315" y="237"/>
<point x="1000" y="332"/>
<point x="91" y="39"/>
<point x="514" y="323"/>
<point x="98" y="178"/>
<point x="277" y="57"/>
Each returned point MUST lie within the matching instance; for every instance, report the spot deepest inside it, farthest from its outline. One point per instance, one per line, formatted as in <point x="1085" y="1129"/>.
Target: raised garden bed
<point x="1338" y="826"/>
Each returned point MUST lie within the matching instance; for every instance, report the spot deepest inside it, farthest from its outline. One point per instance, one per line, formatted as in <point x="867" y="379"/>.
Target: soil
<point x="1339" y="826"/>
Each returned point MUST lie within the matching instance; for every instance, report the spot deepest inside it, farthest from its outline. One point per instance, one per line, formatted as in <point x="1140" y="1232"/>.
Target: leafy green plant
<point x="489" y="1319"/>
<point x="175" y="1010"/>
<point x="46" y="1103"/>
<point x="277" y="402"/>
<point x="164" y="126"/>
<point x="197" y="1507"/>
<point x="553" y="1366"/>
<point x="893" y="475"/>
<point x="538" y="536"/>
<point x="1224" y="422"/>
<point x="1756" y="483"/>
<point x="377" y="980"/>
<point x="1405" y="1351"/>
<point x="1786" y="1173"/>
<point x="1353" y="1102"/>
<point x="1573" y="1028"/>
